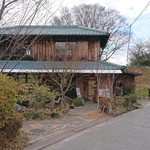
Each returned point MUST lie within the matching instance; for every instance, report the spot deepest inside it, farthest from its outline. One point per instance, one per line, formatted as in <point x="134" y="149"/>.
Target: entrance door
<point x="85" y="89"/>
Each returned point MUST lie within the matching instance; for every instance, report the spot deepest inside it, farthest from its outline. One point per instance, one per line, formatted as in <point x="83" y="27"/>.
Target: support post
<point x="26" y="78"/>
<point x="97" y="95"/>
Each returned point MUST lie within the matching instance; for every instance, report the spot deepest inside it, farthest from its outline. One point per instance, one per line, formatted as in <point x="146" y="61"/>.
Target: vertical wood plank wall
<point x="43" y="50"/>
<point x="93" y="51"/>
<point x="81" y="52"/>
<point x="87" y="51"/>
<point x="128" y="81"/>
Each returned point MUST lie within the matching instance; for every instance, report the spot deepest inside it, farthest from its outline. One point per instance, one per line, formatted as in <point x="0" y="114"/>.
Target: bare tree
<point x="140" y="53"/>
<point x="96" y="16"/>
<point x="16" y="42"/>
<point x="62" y="77"/>
<point x="64" y="19"/>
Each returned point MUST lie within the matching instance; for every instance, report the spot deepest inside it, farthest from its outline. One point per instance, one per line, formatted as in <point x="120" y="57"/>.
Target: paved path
<point x="45" y="132"/>
<point x="130" y="131"/>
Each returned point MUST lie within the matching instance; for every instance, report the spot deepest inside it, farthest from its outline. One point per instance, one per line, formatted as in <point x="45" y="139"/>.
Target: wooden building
<point x="47" y="49"/>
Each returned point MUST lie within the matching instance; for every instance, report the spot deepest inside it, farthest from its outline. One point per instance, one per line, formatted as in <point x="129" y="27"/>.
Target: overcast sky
<point x="129" y="9"/>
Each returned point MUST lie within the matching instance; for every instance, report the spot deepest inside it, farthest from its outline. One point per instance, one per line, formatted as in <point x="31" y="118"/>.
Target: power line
<point x="131" y="26"/>
<point x="128" y="45"/>
<point x="140" y="13"/>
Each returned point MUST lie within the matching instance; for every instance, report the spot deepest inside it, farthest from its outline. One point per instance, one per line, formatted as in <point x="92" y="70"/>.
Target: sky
<point x="129" y="9"/>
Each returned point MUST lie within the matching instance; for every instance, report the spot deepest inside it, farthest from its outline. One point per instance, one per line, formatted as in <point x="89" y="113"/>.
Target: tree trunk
<point x="63" y="103"/>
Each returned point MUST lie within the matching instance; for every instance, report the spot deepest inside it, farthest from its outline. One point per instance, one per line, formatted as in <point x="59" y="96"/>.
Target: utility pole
<point x="128" y="45"/>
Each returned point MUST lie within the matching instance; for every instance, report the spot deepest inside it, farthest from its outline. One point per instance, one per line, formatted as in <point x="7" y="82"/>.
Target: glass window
<point x="65" y="48"/>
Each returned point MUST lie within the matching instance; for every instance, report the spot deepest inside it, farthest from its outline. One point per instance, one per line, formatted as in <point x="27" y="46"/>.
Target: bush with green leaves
<point x="10" y="122"/>
<point x="35" y="114"/>
<point x="38" y="96"/>
<point x="44" y="97"/>
<point x="130" y="100"/>
<point x="125" y="103"/>
<point x="9" y="94"/>
<point x="39" y="100"/>
<point x="129" y="91"/>
<point x="78" y="102"/>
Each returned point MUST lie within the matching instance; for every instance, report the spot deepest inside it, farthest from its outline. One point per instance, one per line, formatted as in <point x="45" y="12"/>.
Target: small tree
<point x="9" y="94"/>
<point x="62" y="78"/>
<point x="105" y="92"/>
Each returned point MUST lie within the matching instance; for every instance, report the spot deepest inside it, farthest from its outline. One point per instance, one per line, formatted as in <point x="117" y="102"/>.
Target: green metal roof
<point x="126" y="70"/>
<point x="53" y="30"/>
<point x="80" y="67"/>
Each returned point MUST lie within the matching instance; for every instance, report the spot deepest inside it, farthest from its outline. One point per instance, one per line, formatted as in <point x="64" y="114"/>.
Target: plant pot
<point x="54" y="115"/>
<point x="72" y="107"/>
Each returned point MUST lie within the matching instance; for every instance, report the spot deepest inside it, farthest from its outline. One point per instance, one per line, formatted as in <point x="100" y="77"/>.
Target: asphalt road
<point x="130" y="131"/>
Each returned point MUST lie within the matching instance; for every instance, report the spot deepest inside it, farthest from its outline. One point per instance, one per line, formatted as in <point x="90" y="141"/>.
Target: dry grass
<point x="143" y="81"/>
<point x="19" y="143"/>
<point x="93" y="115"/>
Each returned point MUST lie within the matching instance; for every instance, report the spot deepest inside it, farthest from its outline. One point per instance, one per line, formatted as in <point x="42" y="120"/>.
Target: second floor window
<point x="65" y="48"/>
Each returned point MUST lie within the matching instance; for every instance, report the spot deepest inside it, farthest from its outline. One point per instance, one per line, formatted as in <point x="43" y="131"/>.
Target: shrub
<point x="9" y="93"/>
<point x="39" y="99"/>
<point x="130" y="100"/>
<point x="78" y="102"/>
<point x="10" y="132"/>
<point x="43" y="97"/>
<point x="34" y="114"/>
<point x="142" y="91"/>
<point x="12" y="127"/>
<point x="129" y="91"/>
<point x="57" y="112"/>
<point x="10" y="123"/>
<point x="37" y="96"/>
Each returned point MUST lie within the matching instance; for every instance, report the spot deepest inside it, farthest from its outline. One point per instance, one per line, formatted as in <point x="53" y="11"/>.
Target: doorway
<point x="89" y="90"/>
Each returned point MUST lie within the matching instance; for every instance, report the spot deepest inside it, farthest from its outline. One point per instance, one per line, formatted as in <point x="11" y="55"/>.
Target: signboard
<point x="78" y="92"/>
<point x="107" y="94"/>
<point x="100" y="92"/>
<point x="104" y="93"/>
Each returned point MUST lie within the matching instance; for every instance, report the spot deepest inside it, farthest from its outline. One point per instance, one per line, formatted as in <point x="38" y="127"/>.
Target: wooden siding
<point x="43" y="50"/>
<point x="128" y="81"/>
<point x="93" y="51"/>
<point x="81" y="52"/>
<point x="87" y="51"/>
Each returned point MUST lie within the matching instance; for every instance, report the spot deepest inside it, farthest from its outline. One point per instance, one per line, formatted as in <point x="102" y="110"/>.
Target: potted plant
<point x="54" y="114"/>
<point x="72" y="105"/>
